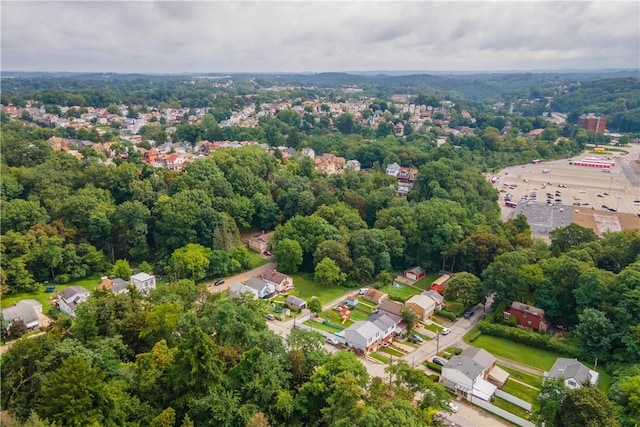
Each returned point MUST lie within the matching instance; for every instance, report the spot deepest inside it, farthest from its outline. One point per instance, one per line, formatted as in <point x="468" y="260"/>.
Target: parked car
<point x="219" y="282"/>
<point x="416" y="338"/>
<point x="468" y="315"/>
<point x="439" y="361"/>
<point x="452" y="406"/>
<point x="267" y="253"/>
<point x="333" y="341"/>
<point x="270" y="317"/>
<point x="363" y="291"/>
<point x="446" y="331"/>
<point x="338" y="308"/>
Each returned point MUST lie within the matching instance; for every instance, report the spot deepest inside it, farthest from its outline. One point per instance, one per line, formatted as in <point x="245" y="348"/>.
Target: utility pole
<point x="438" y="342"/>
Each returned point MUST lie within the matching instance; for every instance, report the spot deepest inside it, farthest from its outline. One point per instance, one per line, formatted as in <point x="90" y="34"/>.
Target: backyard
<point x="400" y="291"/>
<point x="426" y="281"/>
<point x="43" y="297"/>
<point x="305" y="287"/>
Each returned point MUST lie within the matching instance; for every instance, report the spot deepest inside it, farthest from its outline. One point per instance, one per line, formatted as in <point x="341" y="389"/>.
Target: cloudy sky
<point x="291" y="36"/>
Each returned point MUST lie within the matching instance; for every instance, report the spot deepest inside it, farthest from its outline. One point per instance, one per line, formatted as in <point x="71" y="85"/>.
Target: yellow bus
<point x="599" y="150"/>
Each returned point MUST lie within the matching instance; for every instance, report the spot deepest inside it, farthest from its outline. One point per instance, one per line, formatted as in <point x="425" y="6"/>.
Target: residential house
<point x="351" y="301"/>
<point x="422" y="305"/>
<point x="528" y="316"/>
<point x="175" y="161"/>
<point x="69" y="299"/>
<point x="116" y="286"/>
<point x="363" y="336"/>
<point x="308" y="152"/>
<point x="375" y="296"/>
<point x="28" y="311"/>
<point x="405" y="179"/>
<point x="329" y="164"/>
<point x="436" y="297"/>
<point x="238" y="289"/>
<point x="574" y="373"/>
<point x="464" y="375"/>
<point x="440" y="284"/>
<point x="391" y="306"/>
<point x="281" y="282"/>
<point x="353" y="164"/>
<point x="492" y="373"/>
<point x="260" y="243"/>
<point x="262" y="287"/>
<point x="393" y="169"/>
<point x="143" y="282"/>
<point x="415" y="273"/>
<point x="295" y="303"/>
<point x="386" y="324"/>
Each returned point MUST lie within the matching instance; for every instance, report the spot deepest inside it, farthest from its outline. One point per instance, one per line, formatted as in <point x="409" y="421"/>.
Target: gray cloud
<point x="209" y="36"/>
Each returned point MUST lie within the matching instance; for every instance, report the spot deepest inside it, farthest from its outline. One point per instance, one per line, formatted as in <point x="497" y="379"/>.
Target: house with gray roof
<point x="70" y="298"/>
<point x="492" y="373"/>
<point x="574" y="373"/>
<point x="262" y="287"/>
<point x="363" y="336"/>
<point x="26" y="311"/>
<point x="465" y="376"/>
<point x="385" y="323"/>
<point x="436" y="297"/>
<point x="143" y="282"/>
<point x="238" y="289"/>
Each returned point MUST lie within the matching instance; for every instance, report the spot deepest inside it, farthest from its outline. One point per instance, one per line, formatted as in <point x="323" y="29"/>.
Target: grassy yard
<point x="392" y="351"/>
<point x="379" y="358"/>
<point x="426" y="281"/>
<point x="525" y="377"/>
<point x="454" y="307"/>
<point x="305" y="287"/>
<point x="524" y="354"/>
<point x="404" y="292"/>
<point x="510" y="407"/>
<point x="255" y="260"/>
<point x="43" y="297"/>
<point x="334" y="317"/>
<point x="522" y="391"/>
<point x="321" y="326"/>
<point x="359" y="315"/>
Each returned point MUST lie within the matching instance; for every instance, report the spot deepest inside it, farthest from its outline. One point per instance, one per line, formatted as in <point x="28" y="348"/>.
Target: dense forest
<point x="186" y="357"/>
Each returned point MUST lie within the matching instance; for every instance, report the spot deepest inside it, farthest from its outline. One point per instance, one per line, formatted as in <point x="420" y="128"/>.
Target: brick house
<point x="528" y="316"/>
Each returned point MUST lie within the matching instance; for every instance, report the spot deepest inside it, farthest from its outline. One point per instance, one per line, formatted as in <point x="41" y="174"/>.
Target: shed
<point x="295" y="303"/>
<point x="415" y="273"/>
<point x="351" y="301"/>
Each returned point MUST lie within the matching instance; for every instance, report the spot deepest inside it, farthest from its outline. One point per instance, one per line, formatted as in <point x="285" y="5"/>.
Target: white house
<point x="262" y="287"/>
<point x="466" y="376"/>
<point x="574" y="373"/>
<point x="353" y="164"/>
<point x="385" y="323"/>
<point x="69" y="299"/>
<point x="25" y="310"/>
<point x="422" y="305"/>
<point x="393" y="169"/>
<point x="436" y="297"/>
<point x="238" y="289"/>
<point x="143" y="282"/>
<point x="363" y="336"/>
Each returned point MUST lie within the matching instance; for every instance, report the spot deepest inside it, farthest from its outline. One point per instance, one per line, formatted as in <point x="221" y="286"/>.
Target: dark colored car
<point x="219" y="282"/>
<point x="270" y="317"/>
<point x="468" y="315"/>
<point x="267" y="253"/>
<point x="439" y="361"/>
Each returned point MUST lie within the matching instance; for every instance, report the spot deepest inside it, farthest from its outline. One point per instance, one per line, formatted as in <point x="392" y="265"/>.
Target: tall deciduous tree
<point x="328" y="273"/>
<point x="191" y="260"/>
<point x="586" y="407"/>
<point x="288" y="253"/>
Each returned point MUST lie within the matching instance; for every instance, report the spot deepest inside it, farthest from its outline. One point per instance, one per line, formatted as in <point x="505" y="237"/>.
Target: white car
<point x="363" y="291"/>
<point x="446" y="331"/>
<point x="333" y="341"/>
<point x="452" y="406"/>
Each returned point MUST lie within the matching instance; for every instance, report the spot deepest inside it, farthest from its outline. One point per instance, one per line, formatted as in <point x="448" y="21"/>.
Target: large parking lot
<point x="565" y="193"/>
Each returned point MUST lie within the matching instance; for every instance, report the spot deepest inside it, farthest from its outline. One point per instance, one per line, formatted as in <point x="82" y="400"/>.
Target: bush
<point x="396" y="298"/>
<point x="434" y="367"/>
<point x="534" y="339"/>
<point x="63" y="279"/>
<point x="475" y="336"/>
<point x="455" y="350"/>
<point x="446" y="314"/>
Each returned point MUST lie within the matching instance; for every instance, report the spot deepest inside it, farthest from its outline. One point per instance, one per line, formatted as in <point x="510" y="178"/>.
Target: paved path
<point x="520" y="366"/>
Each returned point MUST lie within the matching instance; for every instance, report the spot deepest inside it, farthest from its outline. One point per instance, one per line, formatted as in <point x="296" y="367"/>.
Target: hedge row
<point x="433" y="366"/>
<point x="534" y="339"/>
<point x="446" y="314"/>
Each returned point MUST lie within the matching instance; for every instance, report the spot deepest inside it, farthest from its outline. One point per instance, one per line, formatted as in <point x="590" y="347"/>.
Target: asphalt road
<point x="239" y="278"/>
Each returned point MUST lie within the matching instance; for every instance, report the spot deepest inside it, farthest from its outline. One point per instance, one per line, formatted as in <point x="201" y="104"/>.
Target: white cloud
<point x="318" y="36"/>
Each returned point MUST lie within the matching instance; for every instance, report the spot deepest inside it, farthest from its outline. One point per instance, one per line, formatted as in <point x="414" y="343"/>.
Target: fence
<point x="511" y="398"/>
<point x="502" y="413"/>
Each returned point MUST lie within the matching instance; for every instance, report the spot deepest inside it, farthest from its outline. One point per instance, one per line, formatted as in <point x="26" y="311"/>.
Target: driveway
<point x="239" y="278"/>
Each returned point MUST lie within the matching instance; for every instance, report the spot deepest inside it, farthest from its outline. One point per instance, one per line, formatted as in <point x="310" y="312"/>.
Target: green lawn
<point x="426" y="281"/>
<point x="334" y="317"/>
<point x="380" y="358"/>
<point x="322" y="327"/>
<point x="255" y="260"/>
<point x="521" y="391"/>
<point x="358" y="315"/>
<point x="392" y="351"/>
<point x="604" y="380"/>
<point x="454" y="307"/>
<point x="525" y="377"/>
<point x="521" y="353"/>
<point x="43" y="297"/>
<point x="305" y="287"/>
<point x="510" y="407"/>
<point x="404" y="292"/>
